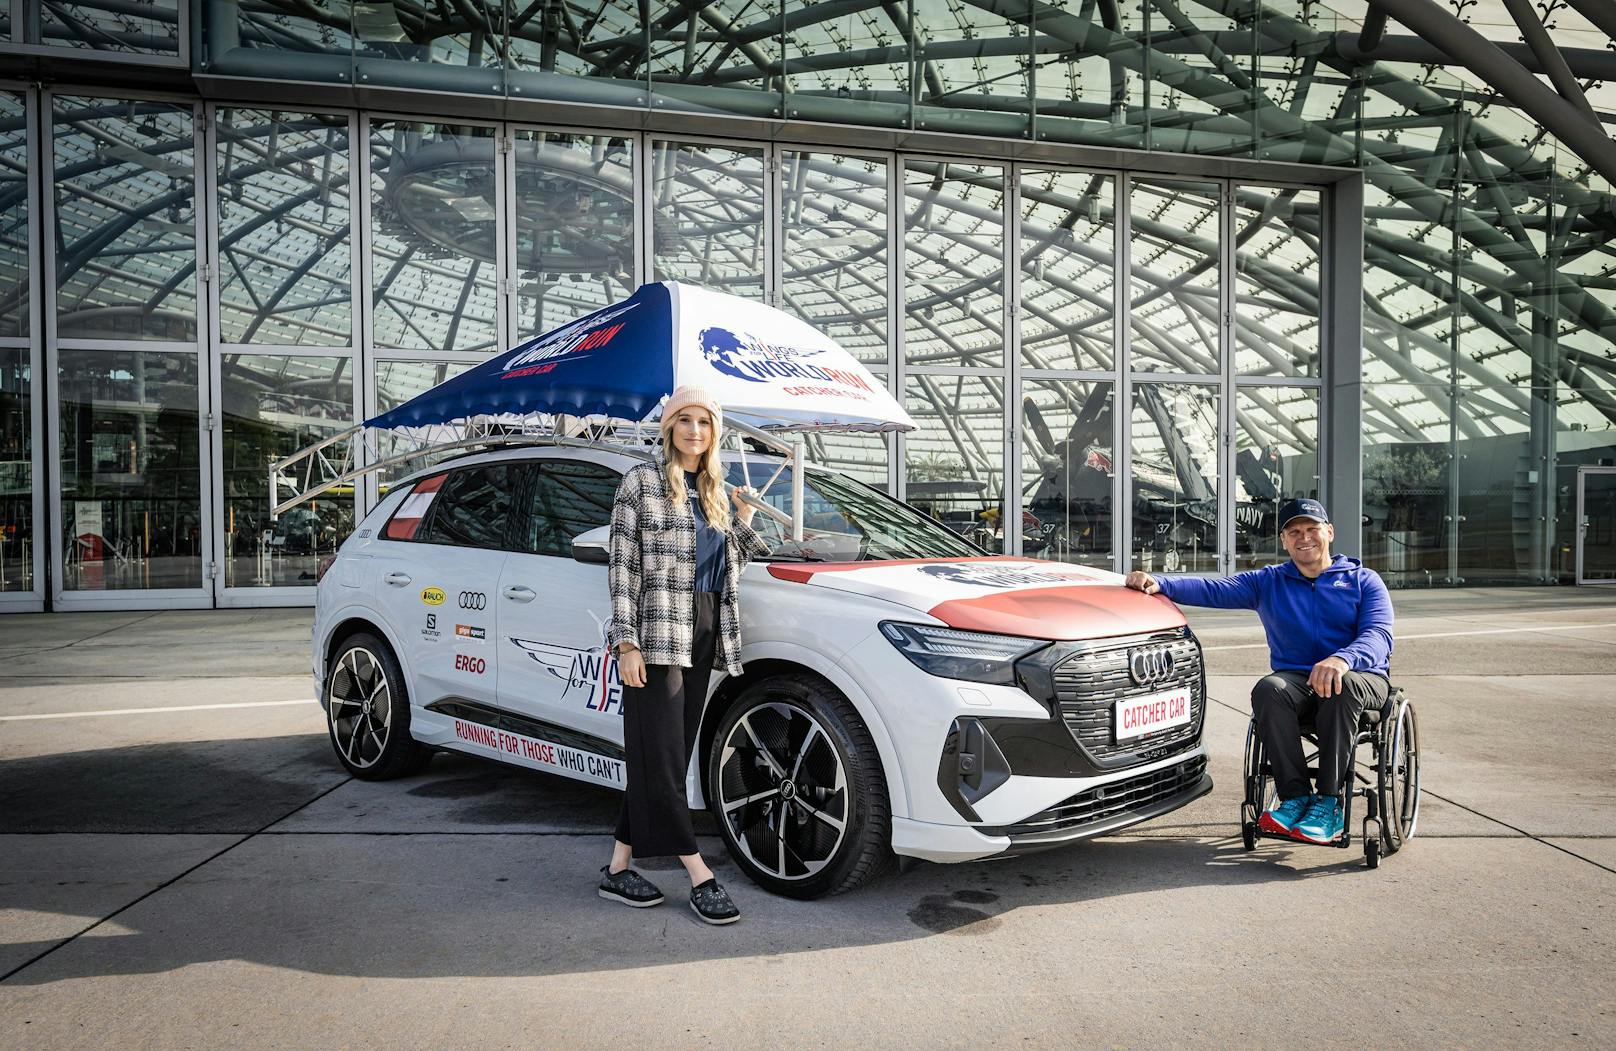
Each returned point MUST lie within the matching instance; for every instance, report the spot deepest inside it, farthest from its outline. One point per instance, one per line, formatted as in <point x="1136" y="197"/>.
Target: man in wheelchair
<point x="1329" y="627"/>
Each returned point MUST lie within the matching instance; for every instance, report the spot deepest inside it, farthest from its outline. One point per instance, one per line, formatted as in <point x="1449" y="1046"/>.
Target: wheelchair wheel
<point x="1371" y="852"/>
<point x="1399" y="776"/>
<point x="1256" y="788"/>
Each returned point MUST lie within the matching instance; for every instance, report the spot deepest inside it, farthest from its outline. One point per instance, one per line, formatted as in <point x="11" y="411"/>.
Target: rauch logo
<point x="433" y="596"/>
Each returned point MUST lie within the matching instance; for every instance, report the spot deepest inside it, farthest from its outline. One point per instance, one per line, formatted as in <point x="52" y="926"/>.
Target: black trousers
<point x="1282" y="702"/>
<point x="660" y="720"/>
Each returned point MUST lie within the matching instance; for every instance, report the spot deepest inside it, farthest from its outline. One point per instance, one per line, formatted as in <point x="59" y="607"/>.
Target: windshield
<point x="846" y="521"/>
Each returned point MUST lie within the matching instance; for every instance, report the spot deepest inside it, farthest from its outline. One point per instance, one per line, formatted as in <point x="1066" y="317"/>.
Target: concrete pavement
<point x="209" y="877"/>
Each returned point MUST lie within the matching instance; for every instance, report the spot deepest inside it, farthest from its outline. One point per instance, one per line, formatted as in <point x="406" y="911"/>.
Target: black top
<point x="712" y="558"/>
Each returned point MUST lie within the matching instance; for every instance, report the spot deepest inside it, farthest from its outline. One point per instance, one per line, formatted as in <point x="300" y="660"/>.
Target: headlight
<point x="955" y="654"/>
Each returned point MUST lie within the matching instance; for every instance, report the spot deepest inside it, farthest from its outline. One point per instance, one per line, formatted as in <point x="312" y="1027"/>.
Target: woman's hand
<point x="743" y="510"/>
<point x="631" y="666"/>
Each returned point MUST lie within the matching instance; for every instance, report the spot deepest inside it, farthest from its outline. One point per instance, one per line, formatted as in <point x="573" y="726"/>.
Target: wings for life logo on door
<point x="744" y="357"/>
<point x="588" y="673"/>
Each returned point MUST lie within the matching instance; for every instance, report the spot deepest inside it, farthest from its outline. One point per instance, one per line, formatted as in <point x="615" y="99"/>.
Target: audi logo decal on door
<point x="1150" y="664"/>
<point x="473" y="600"/>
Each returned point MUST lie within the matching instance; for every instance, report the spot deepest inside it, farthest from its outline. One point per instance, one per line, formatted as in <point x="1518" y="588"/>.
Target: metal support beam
<point x="1341" y="432"/>
<point x="1511" y="80"/>
<point x="1548" y="56"/>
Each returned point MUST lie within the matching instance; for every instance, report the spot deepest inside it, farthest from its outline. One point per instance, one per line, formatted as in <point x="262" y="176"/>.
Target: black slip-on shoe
<point x="628" y="887"/>
<point x="711" y="902"/>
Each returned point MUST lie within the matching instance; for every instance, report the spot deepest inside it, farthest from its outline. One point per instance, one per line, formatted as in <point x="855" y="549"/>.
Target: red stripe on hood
<point x="1062" y="613"/>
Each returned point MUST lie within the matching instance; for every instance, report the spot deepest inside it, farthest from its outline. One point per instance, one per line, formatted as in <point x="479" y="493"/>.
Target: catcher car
<point x="903" y="695"/>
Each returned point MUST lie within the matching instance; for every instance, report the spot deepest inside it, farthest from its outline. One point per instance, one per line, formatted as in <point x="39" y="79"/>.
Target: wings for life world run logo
<point x="587" y="334"/>
<point x="587" y="671"/>
<point x="747" y="358"/>
<point x="992" y="575"/>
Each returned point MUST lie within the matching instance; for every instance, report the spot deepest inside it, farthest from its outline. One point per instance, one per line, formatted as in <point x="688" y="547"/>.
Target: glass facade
<point x="1142" y="344"/>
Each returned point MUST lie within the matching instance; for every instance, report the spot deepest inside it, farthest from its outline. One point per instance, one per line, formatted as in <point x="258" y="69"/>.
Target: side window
<point x="569" y="497"/>
<point x="472" y="508"/>
<point x="406" y="521"/>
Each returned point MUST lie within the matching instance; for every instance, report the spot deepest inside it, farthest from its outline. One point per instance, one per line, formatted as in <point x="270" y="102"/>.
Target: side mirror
<point x="593" y="546"/>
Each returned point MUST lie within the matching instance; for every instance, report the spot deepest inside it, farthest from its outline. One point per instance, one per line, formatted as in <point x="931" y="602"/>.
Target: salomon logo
<point x="1150" y="664"/>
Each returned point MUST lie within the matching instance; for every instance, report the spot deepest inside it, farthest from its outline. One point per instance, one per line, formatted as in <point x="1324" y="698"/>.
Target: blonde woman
<point x="677" y="548"/>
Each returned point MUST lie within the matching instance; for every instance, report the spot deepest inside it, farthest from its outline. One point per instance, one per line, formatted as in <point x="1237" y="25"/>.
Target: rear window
<point x="472" y="509"/>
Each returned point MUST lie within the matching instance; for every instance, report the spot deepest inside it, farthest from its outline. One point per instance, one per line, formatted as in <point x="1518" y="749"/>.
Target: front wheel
<point x="368" y="711"/>
<point x="797" y="788"/>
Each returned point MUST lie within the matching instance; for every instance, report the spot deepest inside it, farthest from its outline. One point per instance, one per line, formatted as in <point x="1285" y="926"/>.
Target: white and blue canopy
<point x="764" y="366"/>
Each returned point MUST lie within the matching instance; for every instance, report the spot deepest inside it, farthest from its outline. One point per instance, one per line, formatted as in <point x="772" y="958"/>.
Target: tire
<point x="1248" y="834"/>
<point x="1371" y="852"/>
<point x="1400" y="774"/>
<point x="1256" y="783"/>
<point x="368" y="711"/>
<point x="796" y="786"/>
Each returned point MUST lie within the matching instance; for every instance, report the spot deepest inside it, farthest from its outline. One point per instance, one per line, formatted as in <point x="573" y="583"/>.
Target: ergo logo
<point x="475" y="665"/>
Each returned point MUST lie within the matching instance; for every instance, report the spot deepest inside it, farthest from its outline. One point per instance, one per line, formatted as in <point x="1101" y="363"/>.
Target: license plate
<point x="1137" y="716"/>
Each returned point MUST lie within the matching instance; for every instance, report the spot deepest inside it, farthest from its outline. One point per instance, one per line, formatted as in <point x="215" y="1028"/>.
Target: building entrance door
<point x="1596" y="525"/>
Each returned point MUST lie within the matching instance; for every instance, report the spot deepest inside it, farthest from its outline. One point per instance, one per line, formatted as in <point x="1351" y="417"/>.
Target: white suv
<point x="904" y="693"/>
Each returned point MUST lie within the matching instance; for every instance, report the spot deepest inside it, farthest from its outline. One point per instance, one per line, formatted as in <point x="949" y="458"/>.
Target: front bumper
<point x="1097" y="808"/>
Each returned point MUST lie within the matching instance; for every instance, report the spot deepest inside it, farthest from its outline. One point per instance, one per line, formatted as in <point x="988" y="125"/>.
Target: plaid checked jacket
<point x="652" y="574"/>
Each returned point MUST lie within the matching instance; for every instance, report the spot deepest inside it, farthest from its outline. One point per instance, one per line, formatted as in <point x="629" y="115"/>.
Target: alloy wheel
<point x="783" y="791"/>
<point x="361" y="708"/>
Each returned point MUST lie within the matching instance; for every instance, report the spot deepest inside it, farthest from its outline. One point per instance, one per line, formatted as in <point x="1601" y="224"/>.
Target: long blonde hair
<point x="709" y="476"/>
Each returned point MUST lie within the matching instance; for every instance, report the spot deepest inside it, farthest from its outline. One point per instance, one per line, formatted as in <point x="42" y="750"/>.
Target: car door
<point x="558" y="682"/>
<point x="437" y="580"/>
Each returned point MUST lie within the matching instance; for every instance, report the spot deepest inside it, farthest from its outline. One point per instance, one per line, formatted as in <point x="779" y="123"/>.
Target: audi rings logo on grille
<point x="1150" y="664"/>
<point x="473" y="600"/>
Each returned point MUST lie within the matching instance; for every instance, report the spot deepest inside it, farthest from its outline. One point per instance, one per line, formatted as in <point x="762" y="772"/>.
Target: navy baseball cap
<point x="1302" y="507"/>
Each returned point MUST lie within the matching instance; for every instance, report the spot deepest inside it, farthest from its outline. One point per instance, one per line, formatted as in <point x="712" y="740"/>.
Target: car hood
<point x="1008" y="596"/>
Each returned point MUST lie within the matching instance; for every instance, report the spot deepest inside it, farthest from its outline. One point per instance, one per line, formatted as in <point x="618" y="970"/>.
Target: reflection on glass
<point x="14" y="238"/>
<point x="1068" y="251"/>
<point x="129" y="470"/>
<point x="953" y="263"/>
<point x="1407" y="308"/>
<point x="313" y="27"/>
<point x="16" y="471"/>
<point x="1407" y="454"/>
<point x="148" y="28"/>
<point x="864" y="456"/>
<point x="955" y="461"/>
<point x="125" y="220"/>
<point x="1200" y="99"/>
<point x="1276" y="459"/>
<point x="274" y="406"/>
<point x="1598" y="536"/>
<point x="1066" y="471"/>
<point x="834" y="257"/>
<point x="715" y="56"/>
<point x="971" y="68"/>
<point x="1300" y="111"/>
<point x="433" y="212"/>
<point x="1174" y="478"/>
<point x="707" y="223"/>
<point x="574" y="226"/>
<point x="418" y="46"/>
<point x="284" y="260"/>
<point x="1506" y="439"/>
<point x="1276" y="266"/>
<point x="578" y="54"/>
<point x="396" y="383"/>
<point x="1175" y="252"/>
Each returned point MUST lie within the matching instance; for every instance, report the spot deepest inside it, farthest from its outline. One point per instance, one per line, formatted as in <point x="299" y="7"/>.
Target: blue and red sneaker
<point x="1279" y="819"/>
<point x="1322" y="824"/>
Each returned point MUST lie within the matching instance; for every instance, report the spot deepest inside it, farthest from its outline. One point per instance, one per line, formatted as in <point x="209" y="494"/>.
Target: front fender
<point x="339" y="617"/>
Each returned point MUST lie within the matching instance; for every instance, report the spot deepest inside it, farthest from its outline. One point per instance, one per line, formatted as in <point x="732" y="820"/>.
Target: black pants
<point x="1282" y="701"/>
<point x="660" y="720"/>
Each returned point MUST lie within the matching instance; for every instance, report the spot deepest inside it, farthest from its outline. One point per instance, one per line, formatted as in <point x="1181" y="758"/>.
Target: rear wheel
<point x="1400" y="776"/>
<point x="368" y="711"/>
<point x="797" y="788"/>
<point x="1256" y="786"/>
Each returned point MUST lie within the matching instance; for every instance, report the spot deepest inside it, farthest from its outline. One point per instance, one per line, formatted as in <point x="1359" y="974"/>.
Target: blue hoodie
<point x="1344" y="613"/>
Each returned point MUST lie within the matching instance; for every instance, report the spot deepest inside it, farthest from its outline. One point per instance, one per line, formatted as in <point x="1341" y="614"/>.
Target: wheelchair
<point x="1390" y="789"/>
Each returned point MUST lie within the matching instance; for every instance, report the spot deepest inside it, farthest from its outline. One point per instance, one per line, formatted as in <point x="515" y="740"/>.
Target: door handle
<point x="396" y="579"/>
<point x="518" y="593"/>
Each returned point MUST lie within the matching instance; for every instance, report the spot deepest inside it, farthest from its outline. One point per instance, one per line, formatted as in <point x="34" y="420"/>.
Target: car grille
<point x="1090" y="682"/>
<point x="1103" y="804"/>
